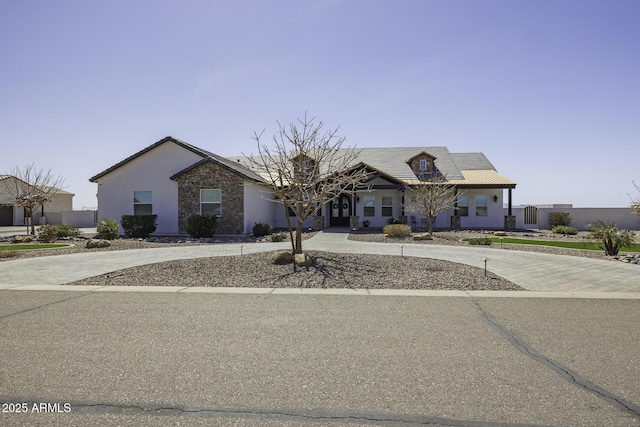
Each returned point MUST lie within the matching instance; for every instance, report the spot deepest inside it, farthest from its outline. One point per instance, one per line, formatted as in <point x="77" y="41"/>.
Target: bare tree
<point x="432" y="196"/>
<point x="306" y="168"/>
<point x="635" y="202"/>
<point x="31" y="188"/>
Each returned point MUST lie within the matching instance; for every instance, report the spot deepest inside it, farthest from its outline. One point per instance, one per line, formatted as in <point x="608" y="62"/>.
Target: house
<point x="174" y="180"/>
<point x="13" y="215"/>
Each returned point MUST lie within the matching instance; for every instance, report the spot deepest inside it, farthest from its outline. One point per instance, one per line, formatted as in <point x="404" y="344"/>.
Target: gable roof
<point x="206" y="155"/>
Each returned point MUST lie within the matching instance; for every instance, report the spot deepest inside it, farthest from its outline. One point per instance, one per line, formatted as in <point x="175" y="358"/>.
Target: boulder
<point x="281" y="258"/>
<point x="424" y="236"/>
<point x="500" y="233"/>
<point x="302" y="260"/>
<point x="22" y="239"/>
<point x="98" y="243"/>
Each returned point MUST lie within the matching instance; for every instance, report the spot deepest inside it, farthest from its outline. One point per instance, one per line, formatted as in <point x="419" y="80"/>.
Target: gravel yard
<point x="327" y="271"/>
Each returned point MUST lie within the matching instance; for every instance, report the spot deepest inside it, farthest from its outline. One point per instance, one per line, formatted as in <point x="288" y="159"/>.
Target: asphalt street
<point x="134" y="358"/>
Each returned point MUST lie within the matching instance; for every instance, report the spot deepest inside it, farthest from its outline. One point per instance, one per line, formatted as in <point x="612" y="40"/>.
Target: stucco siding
<point x="149" y="172"/>
<point x="258" y="206"/>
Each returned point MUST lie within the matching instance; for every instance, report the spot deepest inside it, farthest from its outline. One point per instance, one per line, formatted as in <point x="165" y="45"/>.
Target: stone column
<point x="509" y="222"/>
<point x="354" y="223"/>
<point x="455" y="222"/>
<point x="318" y="223"/>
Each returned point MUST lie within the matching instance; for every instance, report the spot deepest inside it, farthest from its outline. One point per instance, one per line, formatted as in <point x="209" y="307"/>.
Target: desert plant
<point x="201" y="226"/>
<point x="47" y="233"/>
<point x="397" y="230"/>
<point x="611" y="237"/>
<point x="559" y="218"/>
<point x="564" y="229"/>
<point x="279" y="237"/>
<point x="260" y="229"/>
<point x="67" y="230"/>
<point x="139" y="226"/>
<point x="108" y="229"/>
<point x="476" y="241"/>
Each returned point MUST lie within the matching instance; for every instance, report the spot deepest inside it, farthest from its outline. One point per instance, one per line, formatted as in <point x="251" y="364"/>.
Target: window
<point x="369" y="206"/>
<point x="463" y="205"/>
<point x="142" y="203"/>
<point x="481" y="205"/>
<point x="423" y="165"/>
<point x="210" y="202"/>
<point x="387" y="205"/>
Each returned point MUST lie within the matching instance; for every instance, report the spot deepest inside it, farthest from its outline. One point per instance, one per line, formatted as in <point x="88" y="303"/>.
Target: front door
<point x="340" y="211"/>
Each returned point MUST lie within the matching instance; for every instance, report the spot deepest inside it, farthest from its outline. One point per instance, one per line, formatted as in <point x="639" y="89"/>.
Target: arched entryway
<point x="340" y="211"/>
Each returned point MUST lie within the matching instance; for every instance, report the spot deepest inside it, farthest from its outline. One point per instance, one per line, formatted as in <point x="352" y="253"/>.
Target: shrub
<point x="108" y="229"/>
<point x="611" y="238"/>
<point x="564" y="229"/>
<point x="559" y="218"/>
<point x="279" y="237"/>
<point x="476" y="241"/>
<point x="201" y="226"/>
<point x="48" y="233"/>
<point x="397" y="230"/>
<point x="260" y="229"/>
<point x="139" y="226"/>
<point x="67" y="231"/>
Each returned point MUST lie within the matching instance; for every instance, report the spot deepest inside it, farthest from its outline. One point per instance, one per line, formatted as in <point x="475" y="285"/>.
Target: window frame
<point x="369" y="211"/>
<point x="386" y="206"/>
<point x="482" y="209"/>
<point x="462" y="208"/>
<point x="424" y="164"/>
<point x="219" y="202"/>
<point x="139" y="203"/>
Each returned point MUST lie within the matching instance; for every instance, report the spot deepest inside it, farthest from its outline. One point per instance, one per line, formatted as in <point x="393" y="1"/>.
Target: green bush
<point x="260" y="229"/>
<point x="397" y="230"/>
<point x="139" y="226"/>
<point x="559" y="218"/>
<point x="279" y="237"/>
<point x="47" y="233"/>
<point x="477" y="241"/>
<point x="201" y="226"/>
<point x="67" y="231"/>
<point x="564" y="229"/>
<point x="108" y="229"/>
<point x="611" y="238"/>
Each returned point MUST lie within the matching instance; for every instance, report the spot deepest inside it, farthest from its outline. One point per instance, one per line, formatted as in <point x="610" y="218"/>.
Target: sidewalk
<point x="531" y="270"/>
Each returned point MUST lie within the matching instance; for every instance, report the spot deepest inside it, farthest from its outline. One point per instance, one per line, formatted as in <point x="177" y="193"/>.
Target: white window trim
<point x="142" y="203"/>
<point x="211" y="203"/>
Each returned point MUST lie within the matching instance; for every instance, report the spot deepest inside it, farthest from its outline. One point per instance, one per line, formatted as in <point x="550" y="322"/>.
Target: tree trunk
<point x="298" y="248"/>
<point x="430" y="225"/>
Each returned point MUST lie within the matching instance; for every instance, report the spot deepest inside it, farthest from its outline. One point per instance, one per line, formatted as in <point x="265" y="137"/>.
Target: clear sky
<point x="549" y="90"/>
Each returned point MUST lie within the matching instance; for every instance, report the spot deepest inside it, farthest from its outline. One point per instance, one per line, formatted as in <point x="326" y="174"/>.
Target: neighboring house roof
<point x="59" y="191"/>
<point x="206" y="155"/>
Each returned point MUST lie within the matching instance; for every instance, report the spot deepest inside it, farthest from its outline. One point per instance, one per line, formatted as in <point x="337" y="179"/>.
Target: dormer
<point x="422" y="164"/>
<point x="304" y="166"/>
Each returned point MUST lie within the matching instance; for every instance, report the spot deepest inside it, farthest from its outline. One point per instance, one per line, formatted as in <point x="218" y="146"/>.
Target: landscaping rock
<point x="424" y="236"/>
<point x="500" y="233"/>
<point x="302" y="260"/>
<point x="281" y="258"/>
<point x="22" y="239"/>
<point x="97" y="243"/>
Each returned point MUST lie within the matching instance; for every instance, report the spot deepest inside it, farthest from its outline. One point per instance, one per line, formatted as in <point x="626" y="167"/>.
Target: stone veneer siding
<point x="212" y="176"/>
<point x="415" y="164"/>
